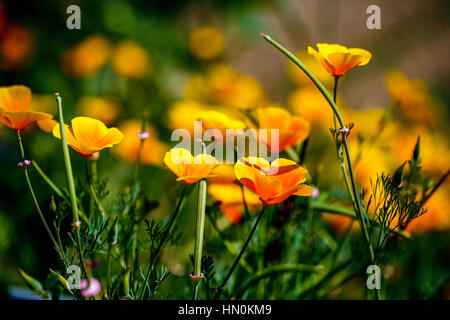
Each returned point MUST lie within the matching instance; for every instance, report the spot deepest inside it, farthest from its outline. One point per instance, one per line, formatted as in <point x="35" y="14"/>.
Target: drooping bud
<point x="61" y="280"/>
<point x="399" y="174"/>
<point x="33" y="284"/>
<point x="52" y="204"/>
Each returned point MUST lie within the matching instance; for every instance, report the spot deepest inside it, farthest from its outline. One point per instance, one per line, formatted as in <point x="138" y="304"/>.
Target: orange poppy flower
<point x="337" y="59"/>
<point x="88" y="136"/>
<point x="292" y="129"/>
<point x="188" y="168"/>
<point x="274" y="182"/>
<point x="14" y="107"/>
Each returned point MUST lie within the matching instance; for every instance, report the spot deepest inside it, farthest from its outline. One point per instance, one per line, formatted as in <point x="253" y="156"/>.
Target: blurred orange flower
<point x="88" y="136"/>
<point x="412" y="97"/>
<point x="292" y="129"/>
<point x="206" y="42"/>
<point x="16" y="47"/>
<point x="188" y="168"/>
<point x="130" y="60"/>
<point x="88" y="57"/>
<point x="152" y="149"/>
<point x="224" y="85"/>
<point x="275" y="182"/>
<point x="232" y="202"/>
<point x="438" y="215"/>
<point x="104" y="109"/>
<point x="337" y="59"/>
<point x="14" y="107"/>
<point x="309" y="103"/>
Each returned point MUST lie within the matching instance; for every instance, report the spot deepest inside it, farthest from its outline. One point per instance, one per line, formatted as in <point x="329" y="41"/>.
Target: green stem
<point x="48" y="180"/>
<point x="168" y="230"/>
<point x="275" y="270"/>
<point x="58" y="248"/>
<point x="71" y="184"/>
<point x="359" y="211"/>
<point x="318" y="84"/>
<point x="236" y="261"/>
<point x="199" y="233"/>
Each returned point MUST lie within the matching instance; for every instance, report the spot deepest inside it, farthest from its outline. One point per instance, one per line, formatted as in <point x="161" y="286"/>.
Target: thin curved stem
<point x="58" y="248"/>
<point x="236" y="261"/>
<point x="48" y="180"/>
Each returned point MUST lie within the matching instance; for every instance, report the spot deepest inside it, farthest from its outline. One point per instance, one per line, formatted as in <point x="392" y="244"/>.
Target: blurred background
<point x="175" y="58"/>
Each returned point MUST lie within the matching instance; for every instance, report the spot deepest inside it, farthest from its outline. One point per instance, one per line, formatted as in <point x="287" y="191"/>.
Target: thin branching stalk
<point x="334" y="209"/>
<point x="236" y="261"/>
<point x="71" y="184"/>
<point x="58" y="248"/>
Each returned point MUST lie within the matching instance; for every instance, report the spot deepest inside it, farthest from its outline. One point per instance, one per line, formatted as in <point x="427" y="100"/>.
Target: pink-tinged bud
<point x="344" y="130"/>
<point x="94" y="287"/>
<point x="315" y="192"/>
<point x="77" y="224"/>
<point x="197" y="279"/>
<point x="143" y="135"/>
<point x="24" y="163"/>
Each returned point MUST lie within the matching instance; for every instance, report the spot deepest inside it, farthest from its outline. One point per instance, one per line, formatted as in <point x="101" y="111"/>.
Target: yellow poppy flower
<point x="88" y="136"/>
<point x="182" y="114"/>
<point x="188" y="168"/>
<point x="14" y="107"/>
<point x="223" y="174"/>
<point x="292" y="129"/>
<point x="131" y="60"/>
<point x="212" y="119"/>
<point x="337" y="59"/>
<point x="206" y="42"/>
<point x="274" y="182"/>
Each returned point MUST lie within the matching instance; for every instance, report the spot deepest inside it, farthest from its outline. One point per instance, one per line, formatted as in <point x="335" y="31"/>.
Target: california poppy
<point x="88" y="135"/>
<point x="188" y="168"/>
<point x="292" y="129"/>
<point x="337" y="59"/>
<point x="274" y="182"/>
<point x="14" y="107"/>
